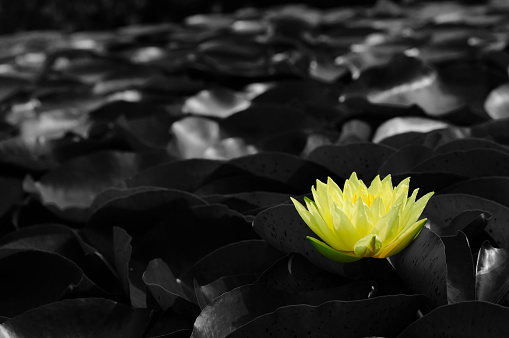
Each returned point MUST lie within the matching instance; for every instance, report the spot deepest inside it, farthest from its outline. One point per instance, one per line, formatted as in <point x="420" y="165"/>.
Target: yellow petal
<point x="376" y="186"/>
<point x="387" y="226"/>
<point x="401" y="192"/>
<point x="403" y="240"/>
<point x="327" y="229"/>
<point x="360" y="219"/>
<point x="334" y="192"/>
<point x="322" y="201"/>
<point x="344" y="229"/>
<point x="368" y="246"/>
<point x="307" y="217"/>
<point x="418" y="208"/>
<point x="377" y="209"/>
<point x="407" y="211"/>
<point x="331" y="253"/>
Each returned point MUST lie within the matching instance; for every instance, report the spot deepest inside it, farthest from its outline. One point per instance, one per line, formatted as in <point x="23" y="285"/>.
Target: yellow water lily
<point x="359" y="221"/>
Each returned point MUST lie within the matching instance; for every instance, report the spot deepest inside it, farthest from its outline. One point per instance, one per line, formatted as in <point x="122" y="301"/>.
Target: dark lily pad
<point x="163" y="285"/>
<point x="186" y="175"/>
<point x="149" y="133"/>
<point x="294" y="273"/>
<point x="465" y="319"/>
<point x="292" y="171"/>
<point x="469" y="163"/>
<point x="140" y="206"/>
<point x="383" y="316"/>
<point x="12" y="194"/>
<point x="284" y="229"/>
<point x="466" y="144"/>
<point x="205" y="294"/>
<point x="249" y="203"/>
<point x="405" y="81"/>
<point x="34" y="278"/>
<point x="491" y="188"/>
<point x="471" y="222"/>
<point x="168" y="237"/>
<point x="71" y="188"/>
<point x="405" y="159"/>
<point x="460" y="269"/>
<point x="443" y="208"/>
<point x="235" y="308"/>
<point x="240" y="258"/>
<point x="262" y="121"/>
<point x="88" y="317"/>
<point x="492" y="272"/>
<point x="422" y="265"/>
<point x="363" y="158"/>
<point x="122" y="251"/>
<point x="233" y="56"/>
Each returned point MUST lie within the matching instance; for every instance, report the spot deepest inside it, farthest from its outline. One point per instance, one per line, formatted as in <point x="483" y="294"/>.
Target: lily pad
<point x="383" y="316"/>
<point x="235" y="308"/>
<point x="88" y="317"/>
<point x="363" y="158"/>
<point x="461" y="163"/>
<point x="44" y="278"/>
<point x="466" y="319"/>
<point x="422" y="265"/>
<point x="443" y="208"/>
<point x="492" y="272"/>
<point x="460" y="269"/>
<point x="284" y="229"/>
<point x="244" y="257"/>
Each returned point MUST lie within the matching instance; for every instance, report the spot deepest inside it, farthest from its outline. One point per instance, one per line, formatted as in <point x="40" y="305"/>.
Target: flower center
<point x="368" y="200"/>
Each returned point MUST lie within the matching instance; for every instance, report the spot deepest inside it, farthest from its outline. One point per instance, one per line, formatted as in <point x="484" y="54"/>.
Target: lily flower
<point x="359" y="221"/>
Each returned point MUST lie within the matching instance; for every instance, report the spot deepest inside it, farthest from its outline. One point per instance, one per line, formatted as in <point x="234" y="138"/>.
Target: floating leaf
<point x="235" y="308"/>
<point x="383" y="316"/>
<point x="70" y="189"/>
<point x="466" y="319"/>
<point x="294" y="273"/>
<point x="249" y="203"/>
<point x="87" y="317"/>
<point x="218" y="102"/>
<point x="12" y="194"/>
<point x="34" y="278"/>
<point x="445" y="207"/>
<point x="162" y="284"/>
<point x="422" y="265"/>
<point x="492" y="272"/>
<point x="140" y="206"/>
<point x="491" y="188"/>
<point x="460" y="269"/>
<point x="465" y="144"/>
<point x="462" y="163"/>
<point x="293" y="171"/>
<point x="284" y="229"/>
<point x="405" y="81"/>
<point x="205" y="294"/>
<point x="405" y="159"/>
<point x="186" y="175"/>
<point x="161" y="234"/>
<point x="240" y="258"/>
<point x="363" y="158"/>
<point x="122" y="252"/>
<point x="401" y="125"/>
